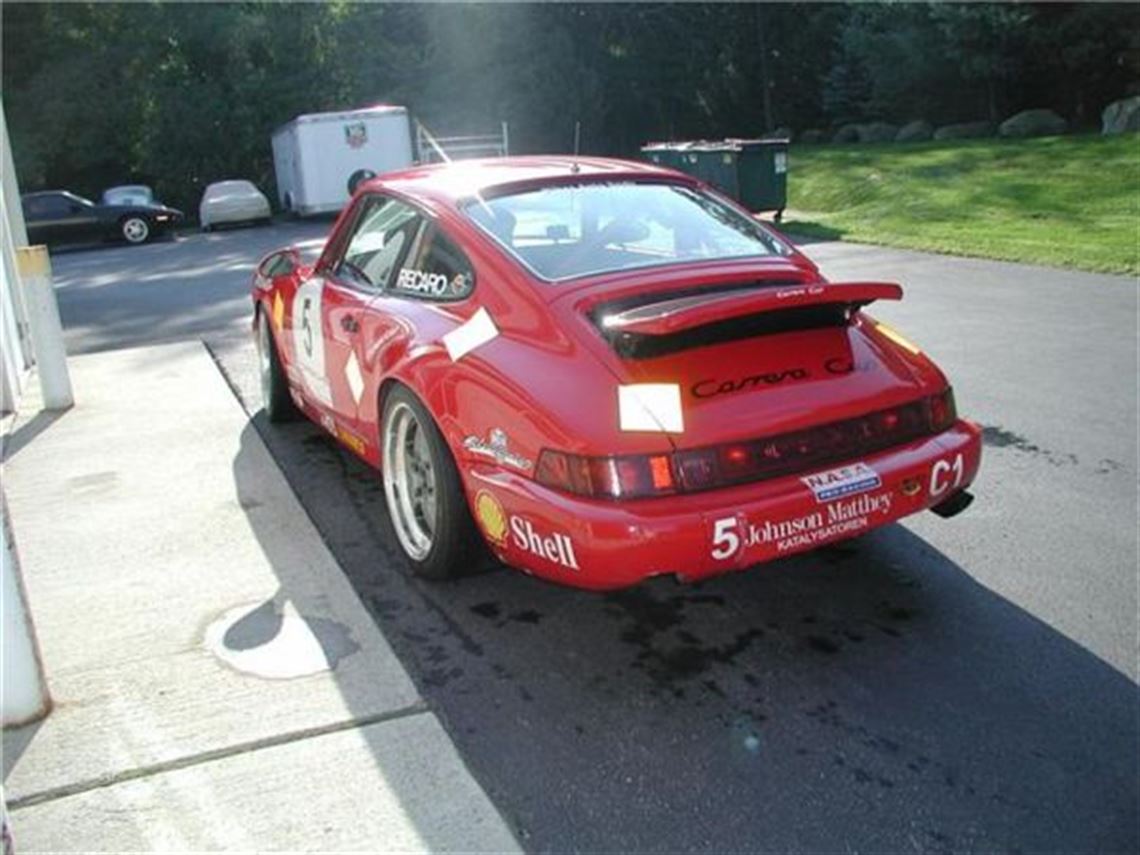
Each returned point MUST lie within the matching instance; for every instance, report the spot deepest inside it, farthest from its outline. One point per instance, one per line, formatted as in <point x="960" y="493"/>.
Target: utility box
<point x="316" y="155"/>
<point x="754" y="172"/>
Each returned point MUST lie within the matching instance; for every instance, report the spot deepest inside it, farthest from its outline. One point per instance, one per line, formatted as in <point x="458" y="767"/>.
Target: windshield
<point x="570" y="231"/>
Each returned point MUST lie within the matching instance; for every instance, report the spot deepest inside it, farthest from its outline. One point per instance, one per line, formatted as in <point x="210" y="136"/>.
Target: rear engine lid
<point x="754" y="361"/>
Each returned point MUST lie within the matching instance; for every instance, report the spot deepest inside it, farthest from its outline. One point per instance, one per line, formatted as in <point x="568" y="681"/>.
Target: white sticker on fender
<point x="651" y="407"/>
<point x="353" y="377"/>
<point x="308" y="340"/>
<point x="477" y="331"/>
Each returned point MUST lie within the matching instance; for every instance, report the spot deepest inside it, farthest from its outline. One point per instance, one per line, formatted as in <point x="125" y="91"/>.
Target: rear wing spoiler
<point x="677" y="314"/>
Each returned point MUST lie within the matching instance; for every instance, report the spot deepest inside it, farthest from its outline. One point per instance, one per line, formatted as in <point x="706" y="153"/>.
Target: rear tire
<point x="426" y="504"/>
<point x="135" y="229"/>
<point x="275" y="398"/>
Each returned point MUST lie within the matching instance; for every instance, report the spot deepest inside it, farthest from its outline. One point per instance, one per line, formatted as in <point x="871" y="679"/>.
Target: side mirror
<point x="280" y="263"/>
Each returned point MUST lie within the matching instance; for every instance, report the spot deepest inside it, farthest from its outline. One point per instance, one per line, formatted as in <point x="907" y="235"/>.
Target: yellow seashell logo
<point x="491" y="516"/>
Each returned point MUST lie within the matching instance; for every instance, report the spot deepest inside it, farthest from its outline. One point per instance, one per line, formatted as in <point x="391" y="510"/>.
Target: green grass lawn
<point x="1061" y="201"/>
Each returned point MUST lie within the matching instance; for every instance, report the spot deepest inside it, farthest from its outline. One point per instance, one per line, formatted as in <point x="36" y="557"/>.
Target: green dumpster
<point x="754" y="172"/>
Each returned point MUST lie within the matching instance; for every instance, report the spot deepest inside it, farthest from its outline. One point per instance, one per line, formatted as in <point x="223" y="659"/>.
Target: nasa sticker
<point x="843" y="481"/>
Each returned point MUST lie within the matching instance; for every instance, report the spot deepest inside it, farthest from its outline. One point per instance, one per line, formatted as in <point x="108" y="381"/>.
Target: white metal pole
<point x="15" y="235"/>
<point x="24" y="692"/>
<point x="47" y="331"/>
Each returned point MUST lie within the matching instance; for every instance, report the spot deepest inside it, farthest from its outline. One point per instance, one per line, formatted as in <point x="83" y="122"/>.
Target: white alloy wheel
<point x="136" y="230"/>
<point x="410" y="481"/>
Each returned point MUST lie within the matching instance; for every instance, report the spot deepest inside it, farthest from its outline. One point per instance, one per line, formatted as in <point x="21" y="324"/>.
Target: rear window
<point x="569" y="231"/>
<point x="230" y="188"/>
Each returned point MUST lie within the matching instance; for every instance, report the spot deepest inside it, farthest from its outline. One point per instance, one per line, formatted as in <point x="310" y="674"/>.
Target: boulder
<point x="916" y="131"/>
<point x="1121" y="116"/>
<point x="846" y="134"/>
<point x="814" y="136"/>
<point x="965" y="131"/>
<point x="1033" y="123"/>
<point x="875" y="132"/>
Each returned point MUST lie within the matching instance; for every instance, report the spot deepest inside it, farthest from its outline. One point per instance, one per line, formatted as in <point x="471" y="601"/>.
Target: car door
<point x="38" y="211"/>
<point x="54" y="218"/>
<point x="332" y="355"/>
<point x="79" y="220"/>
<point x="433" y="271"/>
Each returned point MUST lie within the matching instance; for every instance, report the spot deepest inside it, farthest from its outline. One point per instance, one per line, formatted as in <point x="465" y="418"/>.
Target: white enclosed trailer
<point x="316" y="154"/>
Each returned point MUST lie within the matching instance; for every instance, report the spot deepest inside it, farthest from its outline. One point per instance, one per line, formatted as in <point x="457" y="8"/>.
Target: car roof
<point x="232" y="182"/>
<point x="451" y="183"/>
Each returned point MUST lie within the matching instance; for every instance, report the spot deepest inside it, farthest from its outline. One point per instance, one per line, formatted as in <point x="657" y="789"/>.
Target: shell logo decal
<point x="491" y="517"/>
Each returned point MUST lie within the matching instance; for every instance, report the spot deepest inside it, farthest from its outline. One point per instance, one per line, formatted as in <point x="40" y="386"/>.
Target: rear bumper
<point x="600" y="545"/>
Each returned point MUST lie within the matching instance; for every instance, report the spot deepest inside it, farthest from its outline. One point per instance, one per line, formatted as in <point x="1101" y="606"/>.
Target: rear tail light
<point x="943" y="413"/>
<point x="626" y="477"/>
<point x="644" y="476"/>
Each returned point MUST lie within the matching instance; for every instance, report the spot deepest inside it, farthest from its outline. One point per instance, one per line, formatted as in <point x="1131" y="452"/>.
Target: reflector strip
<point x="479" y="330"/>
<point x="278" y="312"/>
<point x="652" y="407"/>
<point x="898" y="338"/>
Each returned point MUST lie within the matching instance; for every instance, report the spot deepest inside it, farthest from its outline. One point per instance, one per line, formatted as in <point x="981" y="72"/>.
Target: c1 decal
<point x="309" y="341"/>
<point x="940" y="472"/>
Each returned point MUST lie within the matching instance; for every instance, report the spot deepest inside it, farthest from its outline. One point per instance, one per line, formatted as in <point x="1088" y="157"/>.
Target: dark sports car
<point x="57" y="216"/>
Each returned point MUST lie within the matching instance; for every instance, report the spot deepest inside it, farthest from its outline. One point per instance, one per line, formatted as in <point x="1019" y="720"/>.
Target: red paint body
<point x="549" y="381"/>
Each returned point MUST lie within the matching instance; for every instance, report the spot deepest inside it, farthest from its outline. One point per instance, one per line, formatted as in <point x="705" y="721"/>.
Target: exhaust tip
<point x="954" y="505"/>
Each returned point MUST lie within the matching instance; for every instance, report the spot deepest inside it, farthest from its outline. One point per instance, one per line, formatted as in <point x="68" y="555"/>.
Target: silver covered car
<point x="236" y="201"/>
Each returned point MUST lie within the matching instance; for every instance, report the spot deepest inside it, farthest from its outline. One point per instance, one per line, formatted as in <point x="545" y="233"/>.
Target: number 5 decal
<point x="307" y="326"/>
<point x="940" y="473"/>
<point x="308" y="340"/>
<point x="726" y="539"/>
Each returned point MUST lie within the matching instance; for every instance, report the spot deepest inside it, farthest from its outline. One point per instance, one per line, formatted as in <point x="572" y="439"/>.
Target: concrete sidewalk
<point x="217" y="683"/>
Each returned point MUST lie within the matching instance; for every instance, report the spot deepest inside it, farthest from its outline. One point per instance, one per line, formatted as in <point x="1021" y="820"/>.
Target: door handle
<point x="349" y="324"/>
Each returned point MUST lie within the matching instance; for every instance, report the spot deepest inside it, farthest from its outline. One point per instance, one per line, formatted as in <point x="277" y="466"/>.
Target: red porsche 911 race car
<point x="604" y="371"/>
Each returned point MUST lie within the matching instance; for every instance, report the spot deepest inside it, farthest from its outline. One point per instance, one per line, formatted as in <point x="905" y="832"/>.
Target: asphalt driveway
<point x="935" y="686"/>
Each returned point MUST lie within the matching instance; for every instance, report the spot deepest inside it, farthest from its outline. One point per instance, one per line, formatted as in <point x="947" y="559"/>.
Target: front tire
<point x="426" y="504"/>
<point x="275" y="398"/>
<point x="135" y="230"/>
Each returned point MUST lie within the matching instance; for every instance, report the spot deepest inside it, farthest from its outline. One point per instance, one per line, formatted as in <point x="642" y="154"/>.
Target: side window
<point x="384" y="231"/>
<point x="436" y="269"/>
<point x="44" y="207"/>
